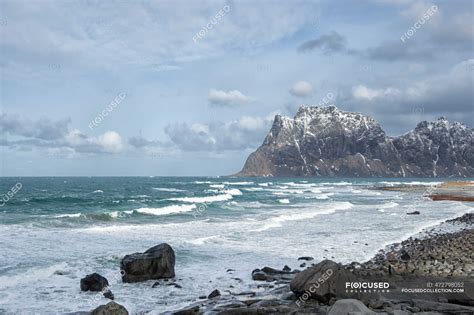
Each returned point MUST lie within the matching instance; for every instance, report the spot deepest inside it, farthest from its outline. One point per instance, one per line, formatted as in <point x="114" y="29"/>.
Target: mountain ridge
<point x="323" y="141"/>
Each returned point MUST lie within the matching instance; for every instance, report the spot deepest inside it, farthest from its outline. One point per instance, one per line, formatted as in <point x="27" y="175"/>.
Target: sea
<point x="56" y="230"/>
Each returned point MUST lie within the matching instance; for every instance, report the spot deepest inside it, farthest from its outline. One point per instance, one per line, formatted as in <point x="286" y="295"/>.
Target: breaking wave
<point x="166" y="210"/>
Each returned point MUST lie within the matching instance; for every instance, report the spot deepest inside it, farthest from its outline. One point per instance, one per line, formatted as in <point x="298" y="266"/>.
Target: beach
<point x="58" y="230"/>
<point x="437" y="259"/>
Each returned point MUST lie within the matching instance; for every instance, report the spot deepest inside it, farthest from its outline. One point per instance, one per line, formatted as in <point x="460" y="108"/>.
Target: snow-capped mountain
<point x="325" y="141"/>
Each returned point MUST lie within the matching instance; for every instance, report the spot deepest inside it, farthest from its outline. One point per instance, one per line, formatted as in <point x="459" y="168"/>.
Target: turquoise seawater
<point x="53" y="231"/>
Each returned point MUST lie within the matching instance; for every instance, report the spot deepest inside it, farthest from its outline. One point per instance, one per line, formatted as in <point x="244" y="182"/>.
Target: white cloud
<point x="363" y="92"/>
<point x="98" y="34"/>
<point x="244" y="133"/>
<point x="66" y="153"/>
<point x="446" y="94"/>
<point x="251" y="123"/>
<point x="200" y="128"/>
<point x="110" y="142"/>
<point x="301" y="89"/>
<point x="218" y="97"/>
<point x="56" y="137"/>
<point x="165" y="67"/>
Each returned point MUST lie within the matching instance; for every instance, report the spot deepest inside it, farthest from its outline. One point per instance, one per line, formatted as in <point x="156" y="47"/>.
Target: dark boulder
<point x="156" y="263"/>
<point x="405" y="256"/>
<point x="322" y="282"/>
<point x="110" y="308"/>
<point x="109" y="295"/>
<point x="214" y="294"/>
<point x="349" y="306"/>
<point x="259" y="275"/>
<point x="271" y="274"/>
<point x="187" y="311"/>
<point x="93" y="282"/>
<point x="307" y="258"/>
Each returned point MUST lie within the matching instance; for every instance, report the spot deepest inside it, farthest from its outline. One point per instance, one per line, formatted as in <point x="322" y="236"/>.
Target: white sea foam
<point x="293" y="184"/>
<point x="308" y="214"/>
<point x="30" y="275"/>
<point x="114" y="214"/>
<point x="217" y="186"/>
<point x="287" y="191"/>
<point x="73" y="215"/>
<point x="167" y="189"/>
<point x="387" y="205"/>
<point x="284" y="201"/>
<point x="98" y="191"/>
<point x="322" y="197"/>
<point x="233" y="192"/>
<point x="222" y="197"/>
<point x="238" y="183"/>
<point x="253" y="189"/>
<point x="203" y="240"/>
<point x="336" y="184"/>
<point x="167" y="210"/>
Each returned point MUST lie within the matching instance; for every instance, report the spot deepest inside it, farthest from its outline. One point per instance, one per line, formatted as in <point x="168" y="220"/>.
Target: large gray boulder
<point x="322" y="282"/>
<point x="349" y="307"/>
<point x="156" y="263"/>
<point x="110" y="308"/>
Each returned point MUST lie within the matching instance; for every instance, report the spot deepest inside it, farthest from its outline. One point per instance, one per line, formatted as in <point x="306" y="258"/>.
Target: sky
<point x="190" y="88"/>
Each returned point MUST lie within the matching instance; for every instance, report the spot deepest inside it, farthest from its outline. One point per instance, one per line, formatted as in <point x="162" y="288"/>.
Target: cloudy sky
<point x="191" y="87"/>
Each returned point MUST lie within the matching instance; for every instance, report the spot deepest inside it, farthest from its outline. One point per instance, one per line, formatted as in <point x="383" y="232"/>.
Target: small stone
<point x="307" y="258"/>
<point x="405" y="256"/>
<point x="108" y="295"/>
<point x="214" y="294"/>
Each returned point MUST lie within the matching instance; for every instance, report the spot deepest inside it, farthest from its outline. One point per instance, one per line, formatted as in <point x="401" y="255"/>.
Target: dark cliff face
<point x="325" y="141"/>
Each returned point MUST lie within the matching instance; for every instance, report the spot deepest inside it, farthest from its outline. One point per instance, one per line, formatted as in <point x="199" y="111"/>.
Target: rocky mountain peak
<point x="324" y="121"/>
<point x="327" y="141"/>
<point x="440" y="126"/>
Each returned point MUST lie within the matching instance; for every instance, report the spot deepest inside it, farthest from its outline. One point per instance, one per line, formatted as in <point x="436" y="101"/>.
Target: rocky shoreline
<point x="454" y="191"/>
<point x="423" y="274"/>
<point x="433" y="258"/>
